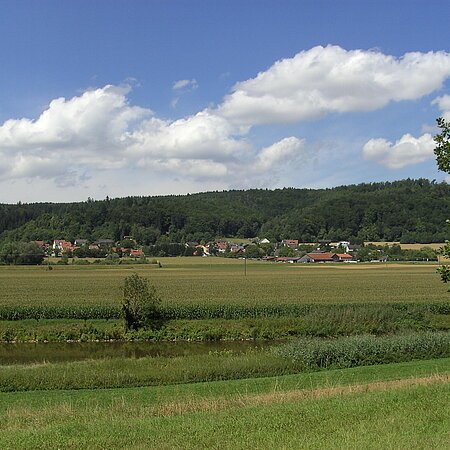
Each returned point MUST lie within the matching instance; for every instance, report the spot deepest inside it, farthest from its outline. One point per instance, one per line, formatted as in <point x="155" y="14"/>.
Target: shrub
<point x="140" y="303"/>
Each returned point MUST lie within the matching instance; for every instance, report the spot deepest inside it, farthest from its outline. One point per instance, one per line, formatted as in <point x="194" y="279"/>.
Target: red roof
<point x="327" y="256"/>
<point x="344" y="256"/>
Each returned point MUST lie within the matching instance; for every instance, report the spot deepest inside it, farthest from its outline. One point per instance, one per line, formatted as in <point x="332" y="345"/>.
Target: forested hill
<point x="408" y="210"/>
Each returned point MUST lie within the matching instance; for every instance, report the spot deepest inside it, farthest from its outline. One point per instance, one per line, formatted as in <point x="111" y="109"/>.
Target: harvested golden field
<point x="434" y="246"/>
<point x="219" y="281"/>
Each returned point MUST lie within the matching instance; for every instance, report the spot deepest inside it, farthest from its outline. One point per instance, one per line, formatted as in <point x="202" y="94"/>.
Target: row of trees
<point x="22" y="253"/>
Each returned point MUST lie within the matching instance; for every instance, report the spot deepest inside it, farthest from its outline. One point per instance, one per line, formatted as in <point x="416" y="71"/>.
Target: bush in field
<point x="140" y="302"/>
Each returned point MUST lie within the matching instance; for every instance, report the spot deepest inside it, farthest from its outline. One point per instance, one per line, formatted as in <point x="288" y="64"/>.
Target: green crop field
<point x="222" y="281"/>
<point x="260" y="300"/>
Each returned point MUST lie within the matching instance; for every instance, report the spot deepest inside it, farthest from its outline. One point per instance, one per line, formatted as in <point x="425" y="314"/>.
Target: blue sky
<point x="158" y="97"/>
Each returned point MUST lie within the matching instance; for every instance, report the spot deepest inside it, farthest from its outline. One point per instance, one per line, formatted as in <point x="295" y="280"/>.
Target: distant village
<point x="286" y="251"/>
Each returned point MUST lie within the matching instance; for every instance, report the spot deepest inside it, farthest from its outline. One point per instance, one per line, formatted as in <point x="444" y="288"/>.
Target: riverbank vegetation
<point x="300" y="356"/>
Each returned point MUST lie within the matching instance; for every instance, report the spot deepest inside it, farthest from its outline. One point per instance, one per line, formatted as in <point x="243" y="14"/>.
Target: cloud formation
<point x="185" y="84"/>
<point x="287" y="150"/>
<point x="406" y="151"/>
<point x="443" y="104"/>
<point x="100" y="130"/>
<point x="326" y="80"/>
<point x="89" y="130"/>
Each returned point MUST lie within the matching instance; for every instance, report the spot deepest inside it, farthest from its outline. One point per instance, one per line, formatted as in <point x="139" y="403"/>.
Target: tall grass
<point x="314" y="354"/>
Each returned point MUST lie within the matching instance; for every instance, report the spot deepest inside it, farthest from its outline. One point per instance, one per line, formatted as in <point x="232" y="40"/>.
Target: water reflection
<point x="27" y="353"/>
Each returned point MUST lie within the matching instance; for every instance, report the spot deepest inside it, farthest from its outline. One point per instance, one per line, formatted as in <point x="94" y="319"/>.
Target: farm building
<point x="319" y="257"/>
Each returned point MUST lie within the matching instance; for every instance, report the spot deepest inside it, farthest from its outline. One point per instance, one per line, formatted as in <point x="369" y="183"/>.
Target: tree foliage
<point x="406" y="211"/>
<point x="21" y="253"/>
<point x="444" y="270"/>
<point x="442" y="152"/>
<point x="442" y="149"/>
<point x="140" y="303"/>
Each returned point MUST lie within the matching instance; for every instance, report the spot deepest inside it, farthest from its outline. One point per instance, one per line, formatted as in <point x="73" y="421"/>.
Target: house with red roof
<point x="62" y="245"/>
<point x="136" y="253"/>
<point x="293" y="243"/>
<point x="344" y="257"/>
<point x="319" y="257"/>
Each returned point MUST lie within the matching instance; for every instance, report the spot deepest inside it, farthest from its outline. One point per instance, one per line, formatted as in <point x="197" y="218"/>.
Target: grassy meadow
<point x="391" y="406"/>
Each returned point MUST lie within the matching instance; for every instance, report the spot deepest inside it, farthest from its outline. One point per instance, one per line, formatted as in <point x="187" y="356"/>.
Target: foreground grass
<point x="391" y="406"/>
<point x="222" y="281"/>
<point x="139" y="397"/>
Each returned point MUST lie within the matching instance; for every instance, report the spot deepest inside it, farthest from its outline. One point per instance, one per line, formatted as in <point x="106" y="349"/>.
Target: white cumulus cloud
<point x="89" y="130"/>
<point x="100" y="130"/>
<point x="406" y="151"/>
<point x="443" y="104"/>
<point x="202" y="136"/>
<point x="286" y="150"/>
<point x="331" y="79"/>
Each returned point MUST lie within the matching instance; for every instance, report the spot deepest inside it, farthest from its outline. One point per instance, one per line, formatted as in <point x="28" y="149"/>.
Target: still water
<point x="27" y="353"/>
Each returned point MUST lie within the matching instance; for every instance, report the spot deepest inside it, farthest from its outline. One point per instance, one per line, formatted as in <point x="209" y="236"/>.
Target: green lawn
<point x="362" y="407"/>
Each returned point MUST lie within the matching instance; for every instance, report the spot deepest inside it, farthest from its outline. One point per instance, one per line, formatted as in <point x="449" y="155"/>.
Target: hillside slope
<point x="407" y="211"/>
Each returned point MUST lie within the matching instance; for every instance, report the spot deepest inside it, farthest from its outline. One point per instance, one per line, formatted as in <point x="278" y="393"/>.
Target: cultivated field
<point x="222" y="281"/>
<point x="433" y="245"/>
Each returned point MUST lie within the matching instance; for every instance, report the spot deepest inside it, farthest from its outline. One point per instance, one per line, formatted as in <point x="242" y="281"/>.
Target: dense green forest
<point x="406" y="211"/>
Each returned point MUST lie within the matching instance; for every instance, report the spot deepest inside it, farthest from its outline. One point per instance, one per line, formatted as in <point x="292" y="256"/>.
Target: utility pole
<point x="245" y="267"/>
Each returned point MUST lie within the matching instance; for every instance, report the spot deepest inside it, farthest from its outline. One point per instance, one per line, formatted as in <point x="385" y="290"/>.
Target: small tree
<point x="253" y="251"/>
<point x="442" y="152"/>
<point x="140" y="303"/>
<point x="444" y="270"/>
<point x="286" y="251"/>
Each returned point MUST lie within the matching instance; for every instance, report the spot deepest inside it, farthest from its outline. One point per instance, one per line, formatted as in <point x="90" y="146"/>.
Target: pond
<point x="28" y="353"/>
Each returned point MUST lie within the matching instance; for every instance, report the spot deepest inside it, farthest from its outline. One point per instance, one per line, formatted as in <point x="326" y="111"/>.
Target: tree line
<point x="405" y="211"/>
